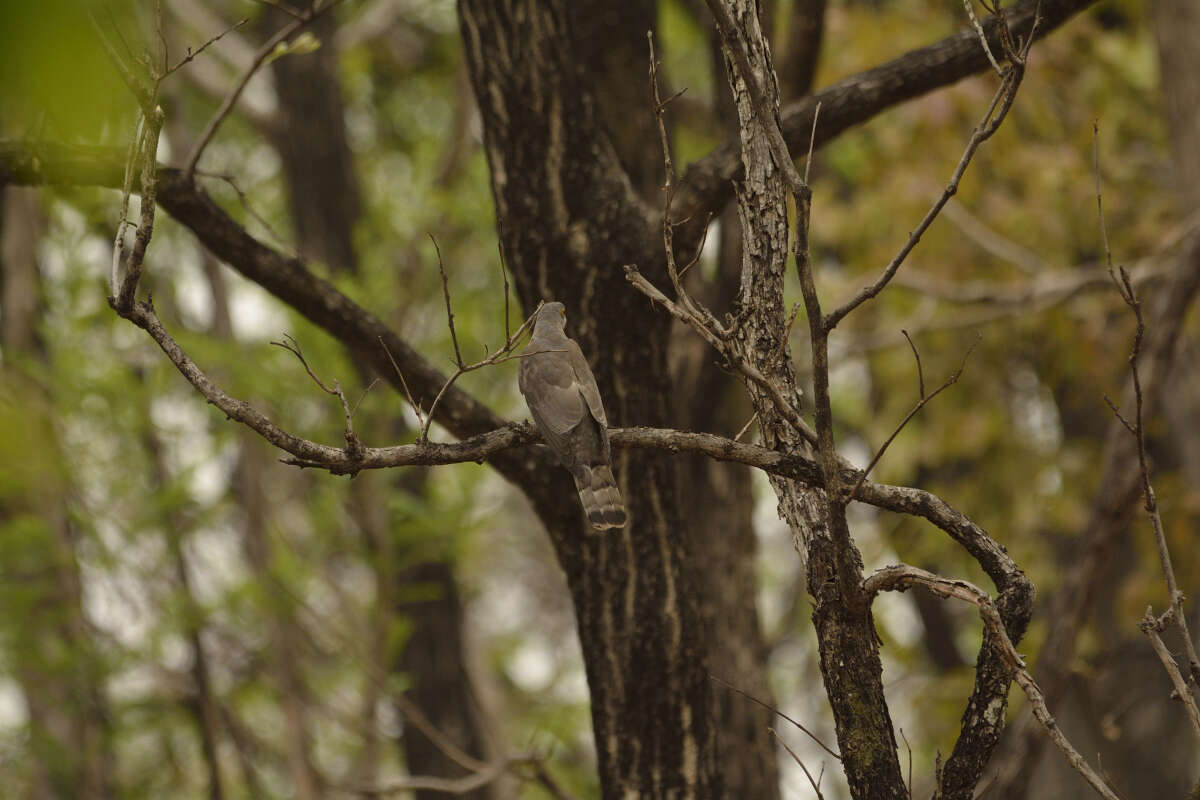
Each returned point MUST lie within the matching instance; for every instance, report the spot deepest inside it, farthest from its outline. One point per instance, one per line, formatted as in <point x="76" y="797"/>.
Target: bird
<point x="565" y="403"/>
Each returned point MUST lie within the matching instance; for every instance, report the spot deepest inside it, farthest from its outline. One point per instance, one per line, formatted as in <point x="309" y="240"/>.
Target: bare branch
<point x="746" y="427"/>
<point x="707" y="185"/>
<point x="917" y="356"/>
<point x="352" y="441"/>
<point x="499" y="357"/>
<point x="1125" y="288"/>
<point x="744" y="367"/>
<point x="191" y="54"/>
<point x="146" y="149"/>
<point x="902" y="577"/>
<point x="778" y="713"/>
<point x="816" y="783"/>
<point x="458" y="362"/>
<point x="1152" y="627"/>
<point x="997" y="111"/>
<point x="503" y="271"/>
<point x="925" y="398"/>
<point x="982" y="37"/>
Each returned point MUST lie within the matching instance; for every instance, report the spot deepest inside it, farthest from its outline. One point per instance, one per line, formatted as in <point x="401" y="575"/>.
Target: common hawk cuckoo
<point x="565" y="402"/>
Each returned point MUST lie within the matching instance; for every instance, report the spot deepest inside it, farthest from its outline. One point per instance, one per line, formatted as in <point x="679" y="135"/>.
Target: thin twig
<point x="364" y="394"/>
<point x="1124" y="286"/>
<point x="260" y="57"/>
<point x="812" y="140"/>
<point x="699" y="248"/>
<point x="925" y="398"/>
<point x="917" y="356"/>
<point x="416" y="407"/>
<point x="244" y="199"/>
<point x="353" y="444"/>
<point x="446" y="293"/>
<point x="1100" y="210"/>
<point x="996" y="113"/>
<point x="191" y="54"/>
<point x="777" y="712"/>
<point x="1152" y="627"/>
<point x="499" y="357"/>
<point x="982" y="37"/>
<point x="503" y="269"/>
<point x="744" y="367"/>
<point x="908" y="747"/>
<point x="815" y="782"/>
<point x="133" y="82"/>
<point x="746" y="427"/>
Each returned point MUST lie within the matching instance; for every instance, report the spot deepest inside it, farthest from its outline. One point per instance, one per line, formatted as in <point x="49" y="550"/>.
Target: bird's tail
<point x="600" y="497"/>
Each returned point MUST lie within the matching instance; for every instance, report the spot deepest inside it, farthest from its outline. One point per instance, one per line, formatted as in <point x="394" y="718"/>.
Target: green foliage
<point x="56" y="81"/>
<point x="106" y="438"/>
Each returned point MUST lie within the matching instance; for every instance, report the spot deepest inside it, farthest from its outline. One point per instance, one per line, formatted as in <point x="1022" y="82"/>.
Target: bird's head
<point x="552" y="315"/>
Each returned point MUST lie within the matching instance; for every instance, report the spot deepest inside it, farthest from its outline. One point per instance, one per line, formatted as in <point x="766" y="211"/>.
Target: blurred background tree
<point x="183" y="615"/>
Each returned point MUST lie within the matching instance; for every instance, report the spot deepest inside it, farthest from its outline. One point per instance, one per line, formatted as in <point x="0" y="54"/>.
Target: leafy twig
<point x="260" y="58"/>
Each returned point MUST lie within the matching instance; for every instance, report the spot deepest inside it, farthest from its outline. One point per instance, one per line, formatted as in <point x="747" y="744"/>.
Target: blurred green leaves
<point x="55" y="80"/>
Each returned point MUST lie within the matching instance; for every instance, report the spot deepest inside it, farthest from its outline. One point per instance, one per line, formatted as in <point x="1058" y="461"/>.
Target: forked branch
<point x="902" y="577"/>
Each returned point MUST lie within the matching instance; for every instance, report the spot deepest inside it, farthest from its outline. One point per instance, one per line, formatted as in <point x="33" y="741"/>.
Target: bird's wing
<point x="551" y="389"/>
<point x="586" y="382"/>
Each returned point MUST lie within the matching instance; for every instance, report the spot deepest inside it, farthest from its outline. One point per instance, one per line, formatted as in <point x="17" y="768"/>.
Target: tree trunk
<point x="571" y="219"/>
<point x="846" y="635"/>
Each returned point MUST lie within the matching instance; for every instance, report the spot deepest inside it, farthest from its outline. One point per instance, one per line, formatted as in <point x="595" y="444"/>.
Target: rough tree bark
<point x="847" y="641"/>
<point x="570" y="220"/>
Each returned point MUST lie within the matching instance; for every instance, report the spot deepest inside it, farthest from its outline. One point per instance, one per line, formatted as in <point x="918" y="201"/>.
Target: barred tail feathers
<point x="600" y="496"/>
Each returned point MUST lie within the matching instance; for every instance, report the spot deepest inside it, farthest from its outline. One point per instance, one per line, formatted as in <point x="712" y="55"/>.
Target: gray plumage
<point x="565" y="402"/>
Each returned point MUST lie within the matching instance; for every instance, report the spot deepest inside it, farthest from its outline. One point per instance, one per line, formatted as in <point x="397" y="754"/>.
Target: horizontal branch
<point x="484" y="435"/>
<point x="287" y="278"/>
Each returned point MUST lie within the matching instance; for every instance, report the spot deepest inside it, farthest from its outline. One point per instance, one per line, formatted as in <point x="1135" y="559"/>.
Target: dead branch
<point x="902" y="577"/>
<point x="777" y="712"/>
<point x="353" y="444"/>
<point x="815" y="782"/>
<point x="988" y="125"/>
<point x="925" y="398"/>
<point x="1137" y="429"/>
